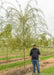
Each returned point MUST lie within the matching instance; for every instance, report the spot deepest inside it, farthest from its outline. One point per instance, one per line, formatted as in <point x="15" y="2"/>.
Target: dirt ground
<point x="43" y="65"/>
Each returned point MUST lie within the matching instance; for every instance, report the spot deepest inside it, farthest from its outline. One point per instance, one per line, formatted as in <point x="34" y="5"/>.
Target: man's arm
<point x="39" y="58"/>
<point x="39" y="54"/>
<point x="30" y="57"/>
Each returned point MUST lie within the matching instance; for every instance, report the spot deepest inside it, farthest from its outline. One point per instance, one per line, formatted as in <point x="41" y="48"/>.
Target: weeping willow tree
<point x="25" y="25"/>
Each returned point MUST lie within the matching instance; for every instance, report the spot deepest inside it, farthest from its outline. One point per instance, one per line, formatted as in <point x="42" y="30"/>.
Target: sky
<point x="47" y="6"/>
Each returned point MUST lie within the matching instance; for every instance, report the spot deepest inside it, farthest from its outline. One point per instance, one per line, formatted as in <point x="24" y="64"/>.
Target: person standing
<point x="35" y="58"/>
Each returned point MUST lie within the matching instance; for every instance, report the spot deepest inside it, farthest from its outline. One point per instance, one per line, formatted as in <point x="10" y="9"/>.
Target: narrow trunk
<point x="24" y="58"/>
<point x="7" y="54"/>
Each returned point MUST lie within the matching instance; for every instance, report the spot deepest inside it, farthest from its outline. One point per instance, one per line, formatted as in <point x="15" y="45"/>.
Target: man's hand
<point x="39" y="58"/>
<point x="30" y="58"/>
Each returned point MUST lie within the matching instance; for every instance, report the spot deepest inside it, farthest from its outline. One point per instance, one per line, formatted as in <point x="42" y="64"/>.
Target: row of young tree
<point x="23" y="29"/>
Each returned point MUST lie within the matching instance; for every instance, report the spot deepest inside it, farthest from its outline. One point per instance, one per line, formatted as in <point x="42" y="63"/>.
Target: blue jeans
<point x="36" y="62"/>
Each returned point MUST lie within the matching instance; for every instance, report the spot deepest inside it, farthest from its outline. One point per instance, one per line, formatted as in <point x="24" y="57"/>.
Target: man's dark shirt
<point x="34" y="53"/>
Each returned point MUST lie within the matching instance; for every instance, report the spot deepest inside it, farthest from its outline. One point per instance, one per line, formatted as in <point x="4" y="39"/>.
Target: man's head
<point x="34" y="46"/>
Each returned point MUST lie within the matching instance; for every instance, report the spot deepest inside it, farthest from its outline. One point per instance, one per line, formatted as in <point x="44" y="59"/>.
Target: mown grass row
<point x="21" y="63"/>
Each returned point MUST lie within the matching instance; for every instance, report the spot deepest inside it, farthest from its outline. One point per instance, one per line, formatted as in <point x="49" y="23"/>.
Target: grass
<point x="48" y="70"/>
<point x="21" y="63"/>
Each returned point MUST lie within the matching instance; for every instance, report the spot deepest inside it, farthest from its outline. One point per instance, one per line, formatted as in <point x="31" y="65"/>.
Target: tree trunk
<point x="7" y="54"/>
<point x="24" y="58"/>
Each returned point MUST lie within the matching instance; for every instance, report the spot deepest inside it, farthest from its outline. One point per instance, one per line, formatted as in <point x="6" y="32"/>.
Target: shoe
<point x="38" y="73"/>
<point x="33" y="73"/>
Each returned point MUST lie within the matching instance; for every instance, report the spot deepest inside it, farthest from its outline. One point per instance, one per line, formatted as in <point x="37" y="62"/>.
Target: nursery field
<point x="16" y="59"/>
<point x="18" y="55"/>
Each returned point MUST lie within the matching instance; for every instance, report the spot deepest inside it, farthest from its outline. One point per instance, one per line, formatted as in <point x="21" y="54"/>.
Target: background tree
<point x="5" y="35"/>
